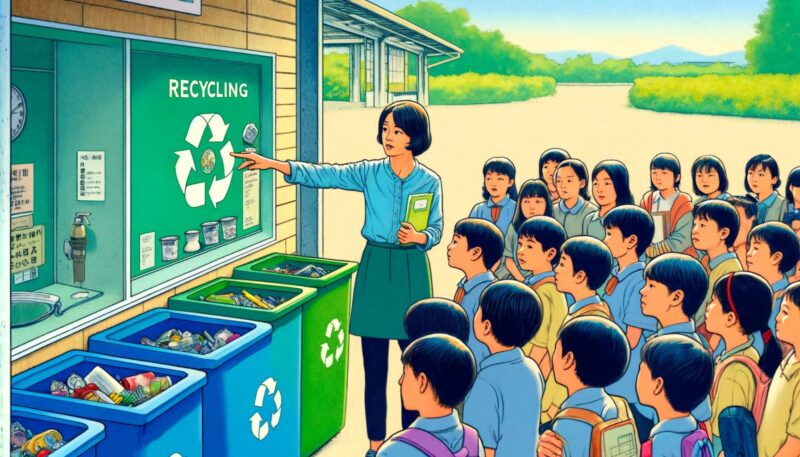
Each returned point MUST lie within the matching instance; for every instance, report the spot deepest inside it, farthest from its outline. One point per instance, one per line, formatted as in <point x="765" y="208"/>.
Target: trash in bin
<point x="24" y="443"/>
<point x="195" y="343"/>
<point x="244" y="298"/>
<point x="101" y="387"/>
<point x="309" y="271"/>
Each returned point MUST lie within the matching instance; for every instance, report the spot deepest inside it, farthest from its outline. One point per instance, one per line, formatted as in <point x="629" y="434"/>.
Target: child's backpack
<point x="431" y="446"/>
<point x="614" y="437"/>
<point x="761" y="380"/>
<point x="737" y="431"/>
<point x="695" y="444"/>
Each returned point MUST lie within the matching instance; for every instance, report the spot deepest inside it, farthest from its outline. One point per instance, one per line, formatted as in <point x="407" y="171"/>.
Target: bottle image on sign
<point x="195" y="194"/>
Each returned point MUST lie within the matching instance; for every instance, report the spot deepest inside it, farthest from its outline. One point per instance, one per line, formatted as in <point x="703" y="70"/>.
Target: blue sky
<point x="619" y="27"/>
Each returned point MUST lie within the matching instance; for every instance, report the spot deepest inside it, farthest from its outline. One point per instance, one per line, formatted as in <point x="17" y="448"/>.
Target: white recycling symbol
<point x="195" y="194"/>
<point x="268" y="387"/>
<point x="326" y="354"/>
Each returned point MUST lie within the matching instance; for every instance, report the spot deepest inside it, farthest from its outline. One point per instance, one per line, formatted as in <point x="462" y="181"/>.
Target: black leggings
<point x="376" y="369"/>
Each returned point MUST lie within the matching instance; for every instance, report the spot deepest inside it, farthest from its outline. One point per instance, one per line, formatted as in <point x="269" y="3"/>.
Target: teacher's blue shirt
<point x="483" y="210"/>
<point x="385" y="194"/>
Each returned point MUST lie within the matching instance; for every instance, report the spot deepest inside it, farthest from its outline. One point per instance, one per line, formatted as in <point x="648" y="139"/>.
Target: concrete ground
<point x="593" y="123"/>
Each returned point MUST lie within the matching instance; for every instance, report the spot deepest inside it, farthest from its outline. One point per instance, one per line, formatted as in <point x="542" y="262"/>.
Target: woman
<point x="394" y="272"/>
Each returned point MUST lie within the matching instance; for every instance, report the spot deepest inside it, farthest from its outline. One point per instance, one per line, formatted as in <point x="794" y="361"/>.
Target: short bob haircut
<point x="590" y="256"/>
<point x="580" y="171"/>
<point x="436" y="315"/>
<point x="556" y="155"/>
<point x="780" y="238"/>
<point x="502" y="166"/>
<point x="680" y="272"/>
<point x="723" y="214"/>
<point x="447" y="362"/>
<point x="706" y="164"/>
<point x="666" y="161"/>
<point x="413" y="119"/>
<point x="547" y="231"/>
<point x="514" y="311"/>
<point x="632" y="220"/>
<point x="600" y="349"/>
<point x="793" y="180"/>
<point x="685" y="366"/>
<point x="618" y="173"/>
<point x="532" y="188"/>
<point x="766" y="162"/>
<point x="482" y="234"/>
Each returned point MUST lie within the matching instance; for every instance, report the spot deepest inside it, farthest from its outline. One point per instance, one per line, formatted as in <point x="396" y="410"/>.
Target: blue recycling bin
<point x="169" y="423"/>
<point x="80" y="435"/>
<point x="234" y="373"/>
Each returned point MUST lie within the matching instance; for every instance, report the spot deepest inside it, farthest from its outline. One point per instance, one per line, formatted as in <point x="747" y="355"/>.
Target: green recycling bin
<point x="326" y="319"/>
<point x="276" y="397"/>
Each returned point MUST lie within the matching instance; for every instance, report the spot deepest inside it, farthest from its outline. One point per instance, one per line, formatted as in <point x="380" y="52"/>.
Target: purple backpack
<point x="431" y="446"/>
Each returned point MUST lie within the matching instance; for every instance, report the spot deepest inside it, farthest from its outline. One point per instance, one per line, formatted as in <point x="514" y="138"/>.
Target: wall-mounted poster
<point x="181" y="6"/>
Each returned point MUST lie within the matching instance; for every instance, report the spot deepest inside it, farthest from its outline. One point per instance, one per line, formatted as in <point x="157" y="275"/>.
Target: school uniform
<point x="735" y="387"/>
<point x="792" y="214"/>
<point x="718" y="267"/>
<point x="679" y="208"/>
<point x="667" y="436"/>
<point x="624" y="301"/>
<point x="509" y="252"/>
<point x="771" y="208"/>
<point x="572" y="218"/>
<point x="470" y="300"/>
<point x="782" y="411"/>
<point x="447" y="429"/>
<point x="391" y="277"/>
<point x="504" y="403"/>
<point x="500" y="213"/>
<point x="577" y="435"/>
<point x="593" y="226"/>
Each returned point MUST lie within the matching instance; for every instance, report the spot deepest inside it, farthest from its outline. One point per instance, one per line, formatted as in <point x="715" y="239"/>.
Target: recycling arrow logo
<point x="267" y="388"/>
<point x="326" y="354"/>
<point x="195" y="194"/>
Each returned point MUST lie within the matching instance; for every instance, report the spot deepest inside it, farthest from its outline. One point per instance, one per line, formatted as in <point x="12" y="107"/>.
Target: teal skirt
<point x="390" y="279"/>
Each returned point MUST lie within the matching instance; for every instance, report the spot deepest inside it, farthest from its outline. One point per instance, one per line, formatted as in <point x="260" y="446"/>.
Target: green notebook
<point x="418" y="211"/>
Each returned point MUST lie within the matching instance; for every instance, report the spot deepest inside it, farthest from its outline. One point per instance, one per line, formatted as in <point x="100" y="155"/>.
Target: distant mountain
<point x="562" y="56"/>
<point x="677" y="55"/>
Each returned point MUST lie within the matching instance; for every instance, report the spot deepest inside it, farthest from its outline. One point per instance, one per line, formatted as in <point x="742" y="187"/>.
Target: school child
<point x="438" y="371"/>
<point x="533" y="200"/>
<point x="504" y="403"/>
<point x="792" y="216"/>
<point x="475" y="249"/>
<point x="762" y="181"/>
<point x="675" y="286"/>
<point x="779" y="433"/>
<point x="740" y="307"/>
<point x="671" y="208"/>
<point x="591" y="353"/>
<point x="548" y="162"/>
<point x="714" y="230"/>
<point x="675" y="377"/>
<point x="747" y="210"/>
<point x="773" y="253"/>
<point x="709" y="179"/>
<point x="437" y="315"/>
<point x="629" y="231"/>
<point x="584" y="265"/>
<point x="499" y="193"/>
<point x="610" y="189"/>
<point x="571" y="183"/>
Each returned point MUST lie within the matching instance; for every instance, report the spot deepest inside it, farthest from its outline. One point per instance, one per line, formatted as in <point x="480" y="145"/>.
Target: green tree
<point x="776" y="48"/>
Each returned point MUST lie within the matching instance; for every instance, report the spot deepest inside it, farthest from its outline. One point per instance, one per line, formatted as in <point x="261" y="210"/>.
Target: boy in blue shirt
<point x="583" y="267"/>
<point x="476" y="247"/>
<point x="591" y="353"/>
<point x="505" y="403"/>
<point x="438" y="371"/>
<point x="436" y="315"/>
<point x="675" y="377"/>
<point x="629" y="231"/>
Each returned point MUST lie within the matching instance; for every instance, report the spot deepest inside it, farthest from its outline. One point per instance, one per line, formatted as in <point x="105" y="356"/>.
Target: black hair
<point x="753" y="301"/>
<point x="680" y="272"/>
<point x="747" y="203"/>
<point x="793" y="180"/>
<point x="502" y="166"/>
<point x="600" y="349"/>
<point x="532" y="188"/>
<point x="632" y="220"/>
<point x="482" y="234"/>
<point x="580" y="171"/>
<point x="514" y="311"/>
<point x="793" y="293"/>
<point x="721" y="212"/>
<point x="765" y="161"/>
<point x="436" y="315"/>
<point x="556" y="155"/>
<point x="547" y="231"/>
<point x="620" y="179"/>
<point x="590" y="256"/>
<point x="706" y="164"/>
<point x="685" y="366"/>
<point x="413" y="119"/>
<point x="666" y="161"/>
<point x="780" y="238"/>
<point x="447" y="362"/>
